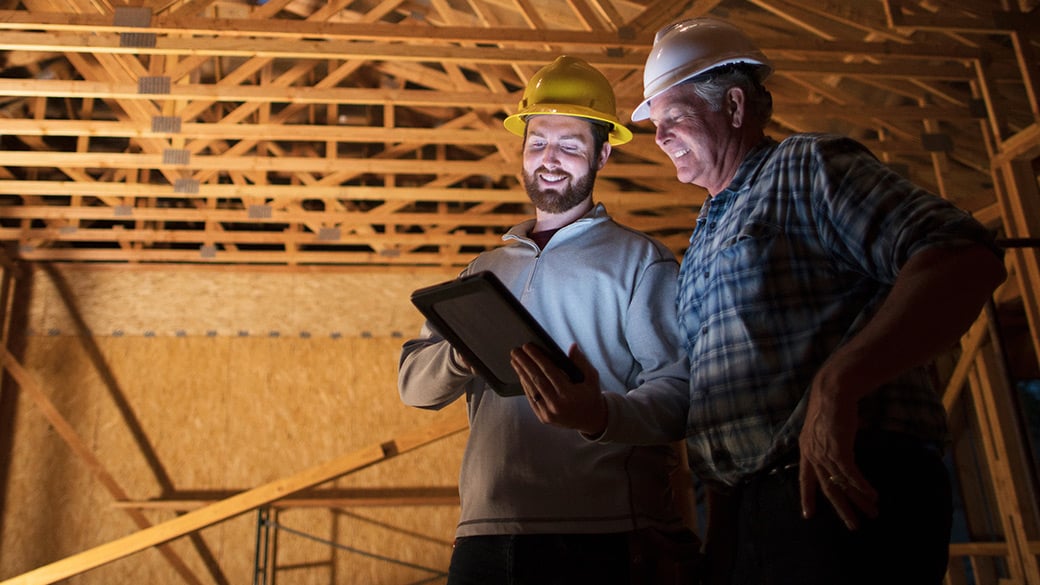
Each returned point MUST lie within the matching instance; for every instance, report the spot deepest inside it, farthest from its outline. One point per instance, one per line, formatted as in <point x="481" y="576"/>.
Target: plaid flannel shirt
<point x="783" y="266"/>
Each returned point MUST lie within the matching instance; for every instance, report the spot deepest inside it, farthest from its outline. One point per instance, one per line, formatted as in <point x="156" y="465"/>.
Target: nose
<point x="551" y="156"/>
<point x="662" y="135"/>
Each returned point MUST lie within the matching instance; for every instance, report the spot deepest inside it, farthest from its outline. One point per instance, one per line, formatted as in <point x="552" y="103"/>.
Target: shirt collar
<point x="520" y="230"/>
<point x="752" y="163"/>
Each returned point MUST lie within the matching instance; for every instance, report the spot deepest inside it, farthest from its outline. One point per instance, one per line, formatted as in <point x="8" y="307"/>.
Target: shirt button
<point x="704" y="330"/>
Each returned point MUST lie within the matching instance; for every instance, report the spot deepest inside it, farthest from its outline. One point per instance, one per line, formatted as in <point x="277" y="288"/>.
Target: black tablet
<point x="484" y="321"/>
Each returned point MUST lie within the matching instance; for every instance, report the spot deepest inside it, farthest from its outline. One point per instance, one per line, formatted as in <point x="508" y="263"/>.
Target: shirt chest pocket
<point x="751" y="234"/>
<point x="748" y="255"/>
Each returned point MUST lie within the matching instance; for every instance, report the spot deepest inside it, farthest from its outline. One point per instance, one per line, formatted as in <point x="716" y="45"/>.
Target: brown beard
<point x="555" y="200"/>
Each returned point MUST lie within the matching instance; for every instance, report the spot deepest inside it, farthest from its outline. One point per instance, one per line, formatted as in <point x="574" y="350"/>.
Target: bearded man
<point x="541" y="503"/>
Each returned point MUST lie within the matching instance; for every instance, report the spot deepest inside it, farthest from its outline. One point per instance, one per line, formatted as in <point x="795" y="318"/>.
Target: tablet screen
<point x="480" y="317"/>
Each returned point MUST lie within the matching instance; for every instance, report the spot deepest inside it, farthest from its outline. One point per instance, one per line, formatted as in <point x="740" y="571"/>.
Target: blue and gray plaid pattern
<point x="782" y="267"/>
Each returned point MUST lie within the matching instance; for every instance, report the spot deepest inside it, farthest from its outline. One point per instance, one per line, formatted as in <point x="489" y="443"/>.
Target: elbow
<point x="420" y="400"/>
<point x="999" y="273"/>
<point x="988" y="270"/>
<point x="423" y="391"/>
<point x="974" y="268"/>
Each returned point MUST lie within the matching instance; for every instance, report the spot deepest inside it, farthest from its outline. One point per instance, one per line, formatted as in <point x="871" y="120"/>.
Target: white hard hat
<point x="688" y="48"/>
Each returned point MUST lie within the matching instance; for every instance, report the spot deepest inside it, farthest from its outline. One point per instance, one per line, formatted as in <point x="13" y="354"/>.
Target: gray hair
<point x="712" y="86"/>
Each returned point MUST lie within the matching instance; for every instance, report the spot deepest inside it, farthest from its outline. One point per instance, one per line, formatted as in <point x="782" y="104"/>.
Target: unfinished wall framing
<point x="178" y="405"/>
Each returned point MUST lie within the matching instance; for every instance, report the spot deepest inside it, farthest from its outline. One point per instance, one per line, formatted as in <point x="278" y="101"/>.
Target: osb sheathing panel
<point x="168" y="412"/>
<point x="215" y="302"/>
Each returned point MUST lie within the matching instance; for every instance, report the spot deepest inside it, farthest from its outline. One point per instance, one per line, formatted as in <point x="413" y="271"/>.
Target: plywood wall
<point x="188" y="380"/>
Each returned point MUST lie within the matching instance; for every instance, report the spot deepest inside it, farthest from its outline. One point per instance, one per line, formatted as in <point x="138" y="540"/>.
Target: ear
<point x="735" y="106"/>
<point x="604" y="154"/>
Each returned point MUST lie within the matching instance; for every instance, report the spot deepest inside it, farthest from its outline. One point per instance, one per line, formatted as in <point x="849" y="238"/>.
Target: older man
<point x="816" y="286"/>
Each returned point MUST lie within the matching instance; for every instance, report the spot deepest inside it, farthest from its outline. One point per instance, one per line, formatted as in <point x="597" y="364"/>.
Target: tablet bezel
<point x="485" y="340"/>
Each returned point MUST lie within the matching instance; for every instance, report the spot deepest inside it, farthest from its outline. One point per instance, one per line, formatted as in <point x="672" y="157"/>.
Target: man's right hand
<point x="554" y="398"/>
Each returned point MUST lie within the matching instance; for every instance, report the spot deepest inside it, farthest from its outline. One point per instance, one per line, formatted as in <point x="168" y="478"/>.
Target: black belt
<point x="869" y="441"/>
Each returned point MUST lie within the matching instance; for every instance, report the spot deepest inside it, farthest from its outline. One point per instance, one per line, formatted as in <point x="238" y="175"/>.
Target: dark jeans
<point x="540" y="559"/>
<point x="908" y="543"/>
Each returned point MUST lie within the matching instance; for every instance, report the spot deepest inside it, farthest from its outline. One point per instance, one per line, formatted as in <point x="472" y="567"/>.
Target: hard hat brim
<point x="517" y="122"/>
<point x="642" y="111"/>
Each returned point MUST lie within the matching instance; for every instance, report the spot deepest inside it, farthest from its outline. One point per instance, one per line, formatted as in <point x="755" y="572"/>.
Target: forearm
<point x="937" y="296"/>
<point x="428" y="374"/>
<point x="652" y="414"/>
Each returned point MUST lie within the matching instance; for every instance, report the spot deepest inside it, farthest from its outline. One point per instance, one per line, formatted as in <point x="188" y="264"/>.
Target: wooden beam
<point x="215" y="43"/>
<point x="251" y="93"/>
<point x="291" y="164"/>
<point x="169" y="236"/>
<point x="986" y="22"/>
<point x="344" y="217"/>
<point x="324" y="498"/>
<point x="299" y="29"/>
<point x="971" y="341"/>
<point x="273" y="194"/>
<point x="998" y="434"/>
<point x="348" y="133"/>
<point x="232" y="257"/>
<point x="1019" y="199"/>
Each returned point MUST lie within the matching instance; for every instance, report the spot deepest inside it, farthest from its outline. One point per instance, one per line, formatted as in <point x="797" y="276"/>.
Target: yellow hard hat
<point x="569" y="87"/>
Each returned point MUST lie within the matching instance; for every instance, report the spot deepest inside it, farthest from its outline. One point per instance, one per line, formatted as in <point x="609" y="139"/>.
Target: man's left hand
<point x="828" y="463"/>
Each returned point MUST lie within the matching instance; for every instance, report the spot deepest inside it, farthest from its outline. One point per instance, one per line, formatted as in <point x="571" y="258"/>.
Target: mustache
<point x="545" y="171"/>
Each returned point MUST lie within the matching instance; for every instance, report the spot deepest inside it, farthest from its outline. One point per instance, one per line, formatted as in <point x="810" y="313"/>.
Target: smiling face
<point x="560" y="162"/>
<point x="698" y="139"/>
